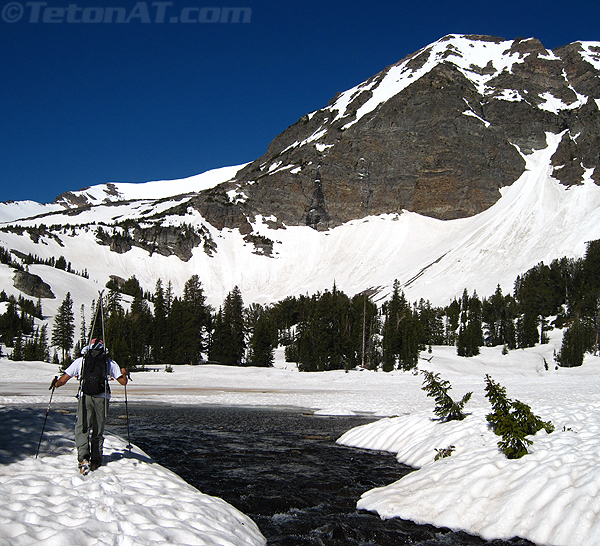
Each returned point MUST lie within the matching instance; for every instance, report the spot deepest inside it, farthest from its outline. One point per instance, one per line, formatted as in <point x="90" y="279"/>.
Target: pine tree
<point x="168" y="297"/>
<point x="527" y="331"/>
<point x="431" y="319"/>
<point x="137" y="325"/>
<point x="112" y="302"/>
<point x="445" y="408"/>
<point x="576" y="340"/>
<point x="365" y="328"/>
<point x="261" y="346"/>
<point x="402" y="333"/>
<point x="389" y="329"/>
<point x="187" y="325"/>
<point x="64" y="327"/>
<point x="233" y="317"/>
<point x="159" y="324"/>
<point x="508" y="331"/>
<point x="452" y="322"/>
<point x="43" y="351"/>
<point x="83" y="328"/>
<point x="30" y="347"/>
<point x="596" y="322"/>
<point x="132" y="287"/>
<point x="117" y="332"/>
<point x="218" y="339"/>
<point x="470" y="333"/>
<point x="512" y="420"/>
<point x="11" y="322"/>
<point x="493" y="317"/>
<point x="306" y="342"/>
<point x="17" y="353"/>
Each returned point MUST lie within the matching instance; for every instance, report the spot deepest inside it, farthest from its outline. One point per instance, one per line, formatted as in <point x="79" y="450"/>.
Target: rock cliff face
<point x="32" y="285"/>
<point x="163" y="240"/>
<point x="439" y="133"/>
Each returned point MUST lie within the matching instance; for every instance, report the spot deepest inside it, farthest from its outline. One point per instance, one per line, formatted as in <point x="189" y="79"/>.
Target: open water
<point x="284" y="470"/>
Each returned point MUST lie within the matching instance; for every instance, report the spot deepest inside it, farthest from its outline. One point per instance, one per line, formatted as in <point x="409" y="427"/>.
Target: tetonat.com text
<point x="141" y="12"/>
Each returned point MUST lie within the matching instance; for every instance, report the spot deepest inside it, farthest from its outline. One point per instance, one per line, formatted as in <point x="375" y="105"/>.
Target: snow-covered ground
<point x="129" y="501"/>
<point x="550" y="496"/>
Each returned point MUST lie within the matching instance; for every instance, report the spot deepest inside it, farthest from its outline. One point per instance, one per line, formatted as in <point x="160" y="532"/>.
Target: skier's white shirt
<point x="74" y="370"/>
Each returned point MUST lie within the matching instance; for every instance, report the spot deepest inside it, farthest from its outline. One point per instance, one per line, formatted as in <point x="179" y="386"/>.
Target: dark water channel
<point x="284" y="470"/>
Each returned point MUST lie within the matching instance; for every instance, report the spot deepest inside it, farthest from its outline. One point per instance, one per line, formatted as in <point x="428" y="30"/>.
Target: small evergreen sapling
<point x="445" y="408"/>
<point x="443" y="453"/>
<point x="512" y="420"/>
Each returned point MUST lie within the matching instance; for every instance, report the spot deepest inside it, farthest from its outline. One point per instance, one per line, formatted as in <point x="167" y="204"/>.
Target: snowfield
<point x="550" y="496"/>
<point x="131" y="500"/>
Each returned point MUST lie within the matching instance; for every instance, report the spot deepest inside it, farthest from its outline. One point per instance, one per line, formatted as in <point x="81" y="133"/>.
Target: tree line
<point x="330" y="330"/>
<point x="29" y="259"/>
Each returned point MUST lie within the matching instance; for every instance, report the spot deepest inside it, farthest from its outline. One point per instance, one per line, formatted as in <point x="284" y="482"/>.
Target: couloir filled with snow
<point x="550" y="496"/>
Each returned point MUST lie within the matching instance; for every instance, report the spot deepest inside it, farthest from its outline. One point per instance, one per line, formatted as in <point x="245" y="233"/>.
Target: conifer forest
<point x="323" y="331"/>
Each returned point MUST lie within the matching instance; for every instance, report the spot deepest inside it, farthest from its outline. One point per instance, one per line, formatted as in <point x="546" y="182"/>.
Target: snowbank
<point x="130" y="500"/>
<point x="549" y="496"/>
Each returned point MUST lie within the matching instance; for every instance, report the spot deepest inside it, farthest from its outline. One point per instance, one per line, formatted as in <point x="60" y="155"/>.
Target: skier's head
<point x="96" y="347"/>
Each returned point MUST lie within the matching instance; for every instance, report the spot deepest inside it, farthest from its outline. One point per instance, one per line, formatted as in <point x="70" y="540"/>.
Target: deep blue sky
<point x="85" y="103"/>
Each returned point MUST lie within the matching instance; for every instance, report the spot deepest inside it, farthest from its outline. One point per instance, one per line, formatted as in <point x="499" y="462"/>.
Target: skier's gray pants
<point x="89" y="429"/>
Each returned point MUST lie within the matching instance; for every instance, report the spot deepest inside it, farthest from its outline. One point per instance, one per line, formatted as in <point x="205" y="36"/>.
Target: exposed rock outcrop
<point x="32" y="285"/>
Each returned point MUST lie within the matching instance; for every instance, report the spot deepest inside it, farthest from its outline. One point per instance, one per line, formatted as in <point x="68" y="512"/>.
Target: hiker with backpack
<point x="94" y="369"/>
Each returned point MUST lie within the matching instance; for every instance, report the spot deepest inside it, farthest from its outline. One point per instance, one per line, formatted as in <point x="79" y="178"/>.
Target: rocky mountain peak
<point x="438" y="133"/>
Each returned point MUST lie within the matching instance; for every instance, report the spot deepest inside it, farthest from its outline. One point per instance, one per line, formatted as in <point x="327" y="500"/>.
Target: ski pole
<point x="47" y="412"/>
<point x="127" y="415"/>
<point x="107" y="388"/>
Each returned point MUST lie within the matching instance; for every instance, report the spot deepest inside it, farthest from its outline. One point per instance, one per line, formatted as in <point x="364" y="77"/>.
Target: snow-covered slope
<point x="159" y="189"/>
<point x="167" y="230"/>
<point x="536" y="219"/>
<point x="117" y="192"/>
<point x="14" y="210"/>
<point x="550" y="496"/>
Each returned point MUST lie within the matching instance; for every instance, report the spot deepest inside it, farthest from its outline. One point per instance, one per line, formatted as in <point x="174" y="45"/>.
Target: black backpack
<point x="93" y="375"/>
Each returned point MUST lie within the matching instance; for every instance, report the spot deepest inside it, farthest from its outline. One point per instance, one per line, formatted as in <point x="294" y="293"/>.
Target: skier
<point x="93" y="369"/>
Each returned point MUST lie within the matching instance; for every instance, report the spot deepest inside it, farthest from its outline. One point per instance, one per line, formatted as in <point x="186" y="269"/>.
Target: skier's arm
<point x="71" y="371"/>
<point x="115" y="370"/>
<point x="123" y="377"/>
<point x="61" y="380"/>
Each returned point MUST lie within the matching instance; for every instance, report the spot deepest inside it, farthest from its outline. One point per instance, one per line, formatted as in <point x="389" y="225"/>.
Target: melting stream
<point x="284" y="470"/>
